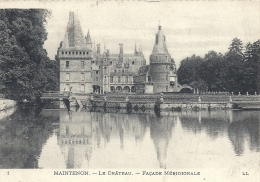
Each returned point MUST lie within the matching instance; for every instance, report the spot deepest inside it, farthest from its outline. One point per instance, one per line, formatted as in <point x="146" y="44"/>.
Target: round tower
<point x="160" y="61"/>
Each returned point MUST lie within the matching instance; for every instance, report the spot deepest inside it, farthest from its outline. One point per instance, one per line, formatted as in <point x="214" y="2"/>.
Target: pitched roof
<point x="74" y="36"/>
<point x="88" y="39"/>
<point x="144" y="69"/>
<point x="160" y="46"/>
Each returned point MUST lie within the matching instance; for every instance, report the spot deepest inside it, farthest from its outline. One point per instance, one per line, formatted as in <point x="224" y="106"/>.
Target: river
<point x="50" y="139"/>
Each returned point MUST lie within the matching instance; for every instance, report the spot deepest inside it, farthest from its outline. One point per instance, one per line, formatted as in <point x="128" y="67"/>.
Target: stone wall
<point x="160" y="77"/>
<point x="77" y="75"/>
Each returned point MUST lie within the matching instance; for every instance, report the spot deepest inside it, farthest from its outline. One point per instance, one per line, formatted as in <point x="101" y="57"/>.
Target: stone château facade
<point x="84" y="69"/>
<point x="115" y="72"/>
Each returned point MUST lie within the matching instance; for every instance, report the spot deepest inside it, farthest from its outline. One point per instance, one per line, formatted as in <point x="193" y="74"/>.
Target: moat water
<point x="59" y="139"/>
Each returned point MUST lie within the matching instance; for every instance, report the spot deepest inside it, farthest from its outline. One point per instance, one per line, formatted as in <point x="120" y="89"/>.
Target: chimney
<point x="121" y="53"/>
<point x="121" y="48"/>
<point x="98" y="49"/>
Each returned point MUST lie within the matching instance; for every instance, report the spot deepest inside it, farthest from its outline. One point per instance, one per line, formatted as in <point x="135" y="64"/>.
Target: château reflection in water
<point x="83" y="139"/>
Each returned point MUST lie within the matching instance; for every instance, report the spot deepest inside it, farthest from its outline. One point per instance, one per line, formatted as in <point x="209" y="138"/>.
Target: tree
<point x="25" y="66"/>
<point x="251" y="70"/>
<point x="212" y="71"/>
<point x="188" y="70"/>
<point x="235" y="64"/>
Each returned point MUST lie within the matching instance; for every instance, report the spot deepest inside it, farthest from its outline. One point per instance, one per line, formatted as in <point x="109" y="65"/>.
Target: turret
<point x="160" y="53"/>
<point x="88" y="41"/>
<point x="160" y="61"/>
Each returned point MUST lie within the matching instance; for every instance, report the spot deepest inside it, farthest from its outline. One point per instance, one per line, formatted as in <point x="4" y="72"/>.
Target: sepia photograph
<point x="130" y="91"/>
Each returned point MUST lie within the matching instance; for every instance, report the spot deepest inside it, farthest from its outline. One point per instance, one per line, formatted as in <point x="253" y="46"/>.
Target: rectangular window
<point x="149" y="78"/>
<point x="126" y="79"/>
<point x="111" y="79"/>
<point x="67" y="87"/>
<point x="82" y="76"/>
<point x="82" y="65"/>
<point x="97" y="79"/>
<point x="82" y="88"/>
<point x="97" y="72"/>
<point x="119" y="79"/>
<point x="67" y="64"/>
<point x="67" y="76"/>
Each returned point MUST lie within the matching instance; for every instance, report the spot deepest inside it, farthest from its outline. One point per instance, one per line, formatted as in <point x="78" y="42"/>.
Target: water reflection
<point x="161" y="133"/>
<point x="30" y="139"/>
<point x="245" y="129"/>
<point x="22" y="136"/>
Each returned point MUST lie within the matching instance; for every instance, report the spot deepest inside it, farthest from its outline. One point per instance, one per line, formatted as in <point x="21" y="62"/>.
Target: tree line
<point x="238" y="70"/>
<point x="25" y="69"/>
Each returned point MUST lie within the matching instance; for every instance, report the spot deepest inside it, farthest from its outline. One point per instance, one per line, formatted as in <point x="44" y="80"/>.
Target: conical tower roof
<point x="88" y="39"/>
<point x="160" y="46"/>
<point x="74" y="36"/>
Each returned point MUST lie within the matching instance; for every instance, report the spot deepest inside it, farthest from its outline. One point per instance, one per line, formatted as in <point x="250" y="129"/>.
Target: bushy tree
<point x="26" y="70"/>
<point x="212" y="71"/>
<point x="235" y="67"/>
<point x="188" y="71"/>
<point x="238" y="70"/>
<point x="251" y="70"/>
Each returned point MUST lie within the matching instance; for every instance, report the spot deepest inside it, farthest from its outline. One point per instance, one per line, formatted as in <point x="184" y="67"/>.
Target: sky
<point x="190" y="27"/>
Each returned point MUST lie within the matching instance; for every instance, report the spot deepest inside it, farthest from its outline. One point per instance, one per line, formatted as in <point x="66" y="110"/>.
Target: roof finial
<point x="159" y="24"/>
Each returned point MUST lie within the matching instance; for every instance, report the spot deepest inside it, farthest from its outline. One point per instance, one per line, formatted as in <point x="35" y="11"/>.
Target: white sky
<point x="190" y="27"/>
